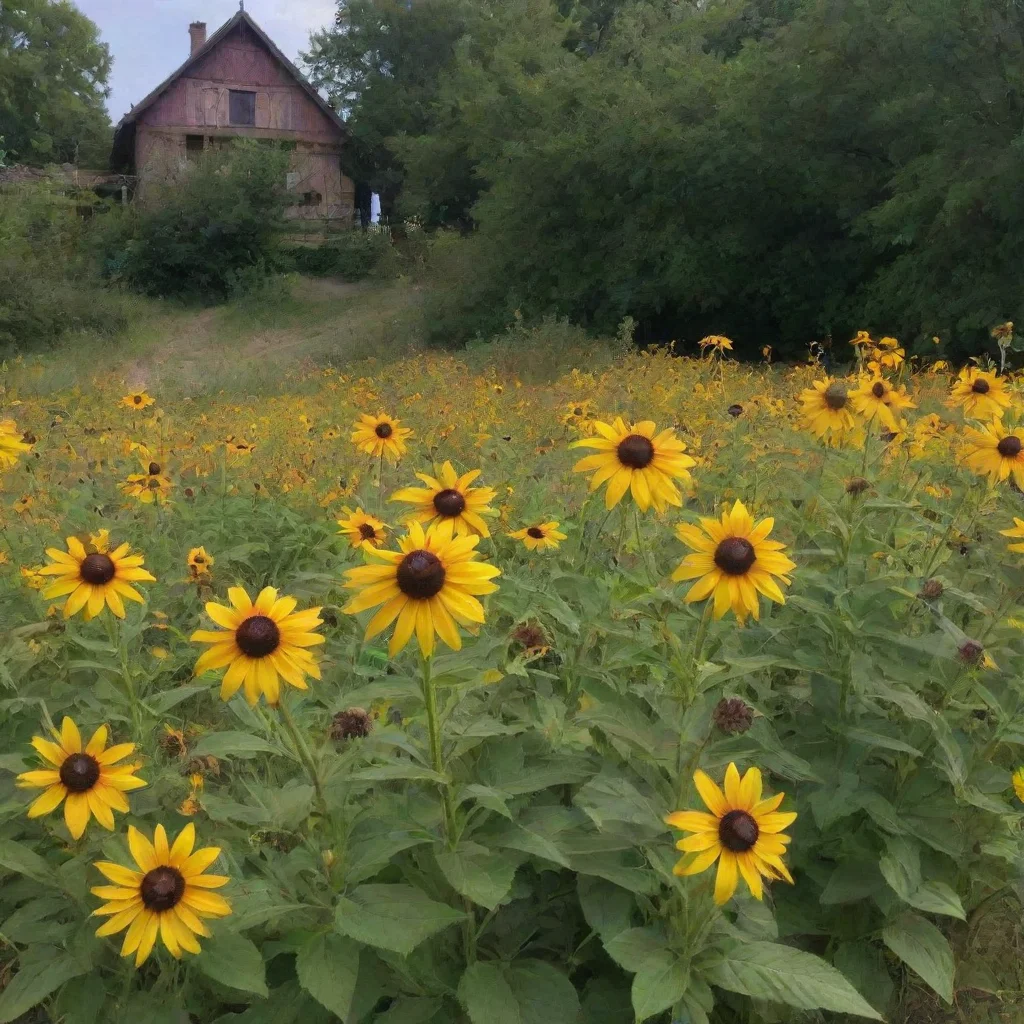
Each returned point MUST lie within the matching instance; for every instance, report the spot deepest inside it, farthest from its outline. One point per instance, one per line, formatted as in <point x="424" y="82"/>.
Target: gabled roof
<point x="241" y="18"/>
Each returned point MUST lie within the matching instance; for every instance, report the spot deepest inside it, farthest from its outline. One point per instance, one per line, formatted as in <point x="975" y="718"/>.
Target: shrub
<point x="195" y="234"/>
<point x="353" y="255"/>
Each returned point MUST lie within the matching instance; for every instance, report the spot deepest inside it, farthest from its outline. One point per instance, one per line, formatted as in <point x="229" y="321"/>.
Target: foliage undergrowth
<point x="521" y="870"/>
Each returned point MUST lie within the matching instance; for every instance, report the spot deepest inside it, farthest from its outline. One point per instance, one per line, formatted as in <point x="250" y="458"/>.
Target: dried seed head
<point x="733" y="715"/>
<point x="970" y="652"/>
<point x="932" y="589"/>
<point x="857" y="485"/>
<point x="353" y="723"/>
<point x="529" y="634"/>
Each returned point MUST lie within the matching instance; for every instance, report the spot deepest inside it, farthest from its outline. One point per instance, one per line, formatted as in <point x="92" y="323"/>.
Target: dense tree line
<point x="779" y="170"/>
<point x="53" y="84"/>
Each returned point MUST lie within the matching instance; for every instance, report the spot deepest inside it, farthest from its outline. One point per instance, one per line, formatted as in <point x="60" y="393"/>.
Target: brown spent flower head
<point x="733" y="715"/>
<point x="353" y="723"/>
<point x="735" y="410"/>
<point x="857" y="485"/>
<point x="530" y="635"/>
<point x="970" y="652"/>
<point x="932" y="589"/>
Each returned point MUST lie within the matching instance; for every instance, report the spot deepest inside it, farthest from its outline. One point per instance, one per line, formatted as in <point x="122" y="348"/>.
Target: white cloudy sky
<point x="149" y="38"/>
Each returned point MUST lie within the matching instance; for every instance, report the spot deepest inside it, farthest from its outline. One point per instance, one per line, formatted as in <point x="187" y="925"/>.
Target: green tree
<point x="53" y="83"/>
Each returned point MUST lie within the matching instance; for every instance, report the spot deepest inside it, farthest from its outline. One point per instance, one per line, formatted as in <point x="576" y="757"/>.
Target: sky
<point x="148" y="39"/>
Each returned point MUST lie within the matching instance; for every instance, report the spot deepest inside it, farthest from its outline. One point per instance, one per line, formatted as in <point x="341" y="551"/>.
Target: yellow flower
<point x="152" y="485"/>
<point x="827" y="410"/>
<point x="718" y="342"/>
<point x="980" y="394"/>
<point x="88" y="780"/>
<point x="137" y="400"/>
<point x="996" y="453"/>
<point x="450" y="498"/>
<point x="236" y="446"/>
<point x="199" y="562"/>
<point x="1003" y="331"/>
<point x="12" y="444"/>
<point x="167" y="895"/>
<point x="23" y="504"/>
<point x="3" y="558"/>
<point x="362" y="528"/>
<point x="542" y="537"/>
<point x="160" y="653"/>
<point x="381" y="436"/>
<point x="743" y="833"/>
<point x="1016" y="532"/>
<point x="876" y="399"/>
<point x="638" y="460"/>
<point x="1018" y="783"/>
<point x="33" y="576"/>
<point x="260" y="642"/>
<point x="861" y="340"/>
<point x="93" y="577"/>
<point x="430" y="585"/>
<point x="734" y="561"/>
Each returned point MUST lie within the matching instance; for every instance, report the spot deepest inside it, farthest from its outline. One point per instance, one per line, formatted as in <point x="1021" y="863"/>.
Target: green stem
<point x="688" y="695"/>
<point x="642" y="548"/>
<point x="303" y="753"/>
<point x="436" y="751"/>
<point x="589" y="543"/>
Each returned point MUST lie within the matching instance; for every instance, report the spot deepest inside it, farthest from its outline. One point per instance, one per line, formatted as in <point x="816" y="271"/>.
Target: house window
<point x="241" y="107"/>
<point x="193" y="146"/>
<point x="311" y="199"/>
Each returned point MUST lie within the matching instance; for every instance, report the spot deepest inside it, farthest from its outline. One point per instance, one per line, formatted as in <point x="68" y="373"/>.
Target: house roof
<point x="242" y="17"/>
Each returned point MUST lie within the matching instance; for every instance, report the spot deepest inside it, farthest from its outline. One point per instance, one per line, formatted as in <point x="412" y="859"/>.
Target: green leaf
<point x="901" y="866"/>
<point x="877" y="739"/>
<point x="924" y="949"/>
<point x="410" y="1010"/>
<point x="328" y="966"/>
<point x="234" y="744"/>
<point x="161" y="703"/>
<point x="484" y="875"/>
<point x="631" y="949"/>
<point x="659" y="984"/>
<point x="608" y="909"/>
<point x="781" y="974"/>
<point x="522" y="992"/>
<point x="233" y="961"/>
<point x="937" y="898"/>
<point x="21" y="860"/>
<point x="30" y="987"/>
<point x="396" y="917"/>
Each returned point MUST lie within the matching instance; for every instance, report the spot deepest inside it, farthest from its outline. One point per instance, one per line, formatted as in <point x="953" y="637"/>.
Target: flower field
<point x="674" y="689"/>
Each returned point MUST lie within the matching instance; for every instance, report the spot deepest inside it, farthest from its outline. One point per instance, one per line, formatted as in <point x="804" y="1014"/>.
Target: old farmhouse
<point x="237" y="84"/>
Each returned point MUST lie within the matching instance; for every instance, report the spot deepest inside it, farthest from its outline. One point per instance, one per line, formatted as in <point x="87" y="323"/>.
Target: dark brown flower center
<point x="449" y="503"/>
<point x="535" y="532"/>
<point x="79" y="772"/>
<point x="366" y="531"/>
<point x="735" y="409"/>
<point x="1009" y="447"/>
<point x="420" y="575"/>
<point x="737" y="831"/>
<point x="735" y="555"/>
<point x="383" y="430"/>
<point x="258" y="636"/>
<point x="878" y="389"/>
<point x="154" y="469"/>
<point x="137" y="399"/>
<point x="981" y="386"/>
<point x="636" y="451"/>
<point x="162" y="888"/>
<point x="835" y="396"/>
<point x="199" y="559"/>
<point x="97" y="569"/>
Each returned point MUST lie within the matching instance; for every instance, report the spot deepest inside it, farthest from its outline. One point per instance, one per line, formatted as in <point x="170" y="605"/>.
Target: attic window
<point x="311" y="199"/>
<point x="241" y="107"/>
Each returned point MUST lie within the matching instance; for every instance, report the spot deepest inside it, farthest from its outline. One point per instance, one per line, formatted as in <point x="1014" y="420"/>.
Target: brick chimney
<point x="197" y="33"/>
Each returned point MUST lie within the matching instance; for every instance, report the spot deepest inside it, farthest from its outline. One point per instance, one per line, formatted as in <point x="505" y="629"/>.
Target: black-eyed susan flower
<point x="743" y="832"/>
<point x="429" y="586"/>
<point x="238" y="447"/>
<point x="1015" y="532"/>
<point x="168" y="895"/>
<point x="877" y="401"/>
<point x="151" y="485"/>
<point x="260" y="642"/>
<point x="733" y="561"/>
<point x="450" y="498"/>
<point x="87" y="779"/>
<point x="137" y="400"/>
<point x="12" y="444"/>
<point x="542" y="537"/>
<point x="199" y="563"/>
<point x="1018" y="783"/>
<point x="637" y="459"/>
<point x="362" y="528"/>
<point x="381" y="436"/>
<point x="93" y="576"/>
<point x="981" y="394"/>
<point x="993" y="451"/>
<point x="716" y="342"/>
<point x="827" y="411"/>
